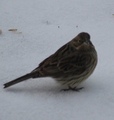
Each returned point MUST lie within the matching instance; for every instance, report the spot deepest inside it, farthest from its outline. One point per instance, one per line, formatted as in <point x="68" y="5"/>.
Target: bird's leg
<point x="77" y="89"/>
<point x="73" y="89"/>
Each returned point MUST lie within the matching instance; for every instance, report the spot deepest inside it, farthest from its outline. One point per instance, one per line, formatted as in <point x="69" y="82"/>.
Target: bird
<point x="70" y="65"/>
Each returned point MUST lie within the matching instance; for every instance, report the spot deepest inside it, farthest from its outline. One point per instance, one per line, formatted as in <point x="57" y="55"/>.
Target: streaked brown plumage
<point x="73" y="63"/>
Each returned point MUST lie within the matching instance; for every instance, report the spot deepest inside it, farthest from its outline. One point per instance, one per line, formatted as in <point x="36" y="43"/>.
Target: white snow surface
<point x="42" y="27"/>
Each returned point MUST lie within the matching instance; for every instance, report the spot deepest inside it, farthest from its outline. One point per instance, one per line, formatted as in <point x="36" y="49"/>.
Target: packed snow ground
<point x="42" y="27"/>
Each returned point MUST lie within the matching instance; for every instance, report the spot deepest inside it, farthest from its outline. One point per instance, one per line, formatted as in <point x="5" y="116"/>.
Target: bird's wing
<point x="64" y="60"/>
<point x="74" y="62"/>
<point x="53" y="59"/>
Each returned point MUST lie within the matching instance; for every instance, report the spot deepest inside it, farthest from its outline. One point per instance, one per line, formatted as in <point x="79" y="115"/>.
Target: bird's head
<point x="82" y="41"/>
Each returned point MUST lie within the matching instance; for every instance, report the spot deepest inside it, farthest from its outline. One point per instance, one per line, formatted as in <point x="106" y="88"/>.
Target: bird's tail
<point x="20" y="79"/>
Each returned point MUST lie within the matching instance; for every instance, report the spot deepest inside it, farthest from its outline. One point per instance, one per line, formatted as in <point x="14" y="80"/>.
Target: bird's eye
<point x="80" y="41"/>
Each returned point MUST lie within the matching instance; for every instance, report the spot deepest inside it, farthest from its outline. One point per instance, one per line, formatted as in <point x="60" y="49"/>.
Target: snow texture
<point x="42" y="27"/>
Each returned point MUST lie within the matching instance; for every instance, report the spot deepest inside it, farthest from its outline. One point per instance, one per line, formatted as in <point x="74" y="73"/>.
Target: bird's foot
<point x="73" y="89"/>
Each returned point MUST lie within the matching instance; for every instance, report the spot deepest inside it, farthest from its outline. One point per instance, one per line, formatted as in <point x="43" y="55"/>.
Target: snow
<point x="42" y="27"/>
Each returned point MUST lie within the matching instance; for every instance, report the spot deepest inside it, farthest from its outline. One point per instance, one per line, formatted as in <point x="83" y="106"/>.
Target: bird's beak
<point x="88" y="42"/>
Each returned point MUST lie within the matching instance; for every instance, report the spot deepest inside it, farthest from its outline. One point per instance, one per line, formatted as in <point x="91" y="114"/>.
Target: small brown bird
<point x="73" y="63"/>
